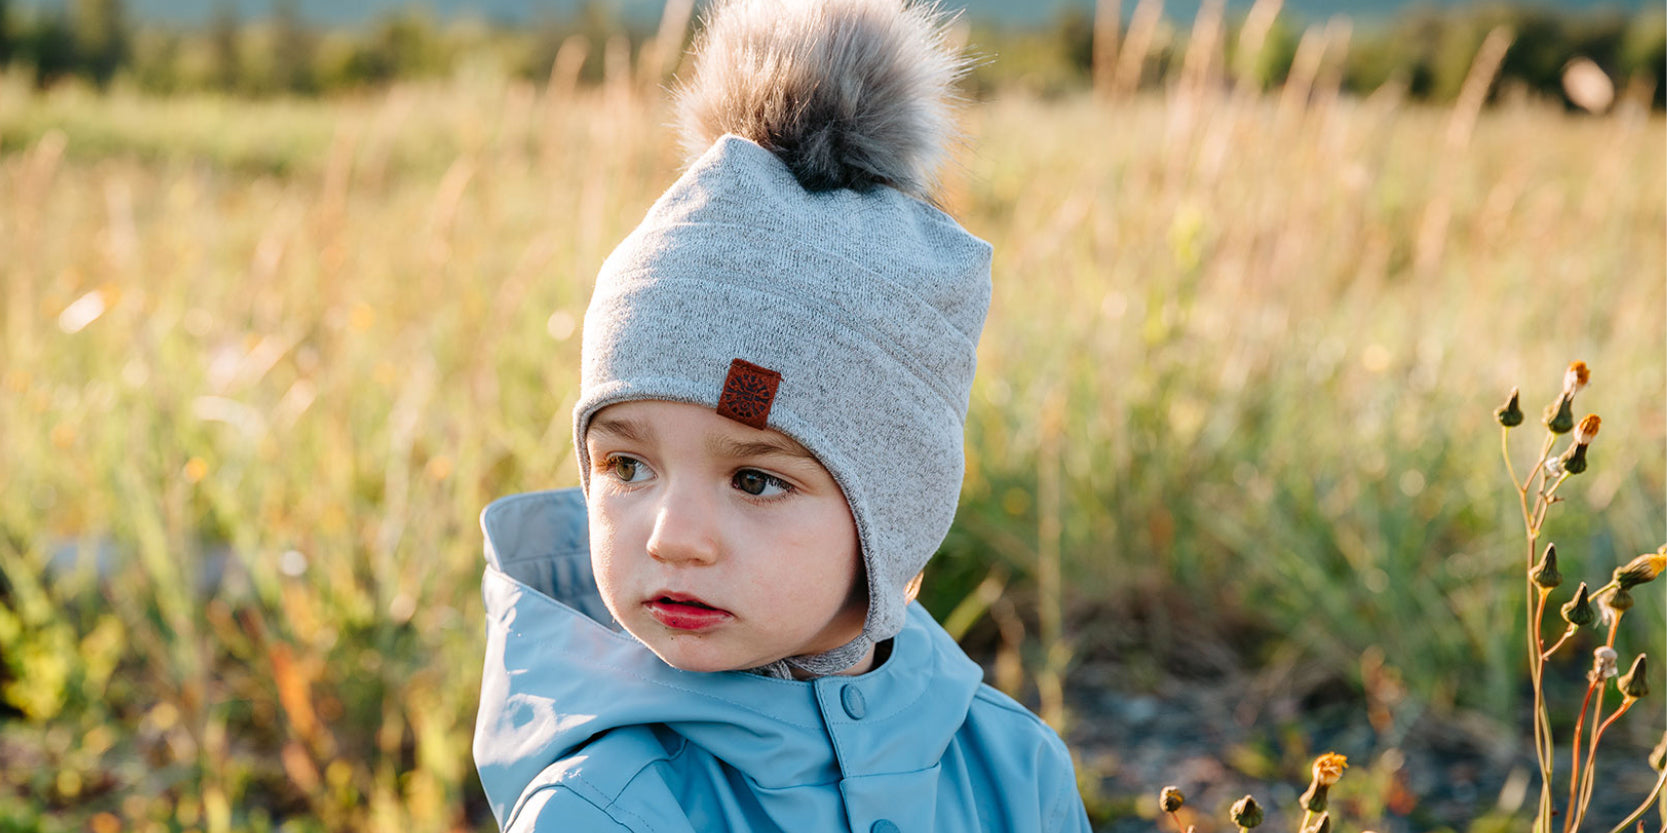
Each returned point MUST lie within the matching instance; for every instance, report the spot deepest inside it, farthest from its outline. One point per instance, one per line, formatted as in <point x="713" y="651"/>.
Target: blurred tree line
<point x="1426" y="50"/>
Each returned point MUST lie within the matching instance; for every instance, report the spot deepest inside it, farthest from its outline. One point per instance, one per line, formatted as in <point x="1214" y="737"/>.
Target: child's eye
<point x="759" y="484"/>
<point x="624" y="469"/>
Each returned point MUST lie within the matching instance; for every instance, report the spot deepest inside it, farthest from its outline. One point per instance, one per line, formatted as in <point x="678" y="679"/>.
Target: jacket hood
<point x="559" y="672"/>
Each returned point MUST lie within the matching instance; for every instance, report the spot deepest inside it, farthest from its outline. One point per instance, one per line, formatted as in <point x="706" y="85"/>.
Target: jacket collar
<point x="559" y="671"/>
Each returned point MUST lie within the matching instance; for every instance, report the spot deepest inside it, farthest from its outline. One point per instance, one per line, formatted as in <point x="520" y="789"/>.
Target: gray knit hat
<point x="795" y="278"/>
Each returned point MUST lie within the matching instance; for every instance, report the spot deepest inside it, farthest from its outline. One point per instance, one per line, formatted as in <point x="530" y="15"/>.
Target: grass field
<point x="262" y="363"/>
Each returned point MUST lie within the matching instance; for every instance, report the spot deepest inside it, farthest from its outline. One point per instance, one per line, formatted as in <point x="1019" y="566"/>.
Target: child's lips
<point x="684" y="612"/>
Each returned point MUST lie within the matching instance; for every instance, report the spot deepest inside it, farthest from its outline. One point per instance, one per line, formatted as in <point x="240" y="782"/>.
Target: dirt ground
<point x="1202" y="722"/>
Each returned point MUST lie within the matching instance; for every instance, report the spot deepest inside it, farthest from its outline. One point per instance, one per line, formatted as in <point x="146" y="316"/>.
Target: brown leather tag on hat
<point x="749" y="391"/>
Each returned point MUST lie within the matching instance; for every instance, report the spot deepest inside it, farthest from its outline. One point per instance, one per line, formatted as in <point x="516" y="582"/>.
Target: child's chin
<point x="703" y="666"/>
<point x="682" y="660"/>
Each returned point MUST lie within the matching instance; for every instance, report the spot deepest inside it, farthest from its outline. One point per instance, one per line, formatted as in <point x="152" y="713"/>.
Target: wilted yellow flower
<point x="1640" y="570"/>
<point x="1587" y="429"/>
<point x="1576" y="378"/>
<point x="1328" y="768"/>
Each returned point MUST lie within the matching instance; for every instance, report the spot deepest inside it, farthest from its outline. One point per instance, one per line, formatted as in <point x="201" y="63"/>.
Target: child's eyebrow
<point x="629" y="430"/>
<point x="739" y="449"/>
<point x="637" y="431"/>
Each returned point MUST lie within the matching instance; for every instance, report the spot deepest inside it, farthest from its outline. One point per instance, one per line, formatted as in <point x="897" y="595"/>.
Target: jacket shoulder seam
<point x="1001" y="701"/>
<point x="1046" y="733"/>
<point x="598" y="798"/>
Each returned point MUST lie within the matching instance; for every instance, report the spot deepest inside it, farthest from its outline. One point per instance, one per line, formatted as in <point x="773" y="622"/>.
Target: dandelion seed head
<point x="1606" y="613"/>
<point x="1603" y="662"/>
<point x="1171" y="799"/>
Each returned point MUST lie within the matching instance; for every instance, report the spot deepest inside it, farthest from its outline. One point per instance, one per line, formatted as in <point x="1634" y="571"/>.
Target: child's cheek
<point x="604" y="557"/>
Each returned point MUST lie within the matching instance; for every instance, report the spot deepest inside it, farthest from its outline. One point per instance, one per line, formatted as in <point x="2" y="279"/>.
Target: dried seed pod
<point x="1578" y="611"/>
<point x="1618" y="600"/>
<point x="1314" y="799"/>
<point x="1633" y="683"/>
<point x="1246" y="813"/>
<point x="1559" y="416"/>
<point x="1545" y="573"/>
<point x="1573" y="461"/>
<point x="1510" y="413"/>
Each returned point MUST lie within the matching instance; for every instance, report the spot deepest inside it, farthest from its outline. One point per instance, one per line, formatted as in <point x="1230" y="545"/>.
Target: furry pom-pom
<point x="848" y="93"/>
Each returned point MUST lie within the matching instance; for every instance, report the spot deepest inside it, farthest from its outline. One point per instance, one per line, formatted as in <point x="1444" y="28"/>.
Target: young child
<point x="718" y="633"/>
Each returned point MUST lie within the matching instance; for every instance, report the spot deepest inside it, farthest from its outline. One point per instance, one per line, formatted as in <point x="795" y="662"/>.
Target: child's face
<point x="719" y="546"/>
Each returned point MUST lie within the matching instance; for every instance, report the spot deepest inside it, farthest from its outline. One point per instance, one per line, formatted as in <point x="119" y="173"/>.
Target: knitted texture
<point x="868" y="304"/>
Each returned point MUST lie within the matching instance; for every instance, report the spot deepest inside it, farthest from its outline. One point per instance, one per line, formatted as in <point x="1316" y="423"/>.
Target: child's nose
<point x="684" y="530"/>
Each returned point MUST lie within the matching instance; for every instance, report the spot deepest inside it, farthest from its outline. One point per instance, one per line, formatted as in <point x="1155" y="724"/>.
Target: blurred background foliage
<point x="1428" y="49"/>
<point x="282" y="308"/>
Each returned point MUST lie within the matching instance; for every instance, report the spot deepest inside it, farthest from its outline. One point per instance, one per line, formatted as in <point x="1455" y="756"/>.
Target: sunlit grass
<point x="262" y="363"/>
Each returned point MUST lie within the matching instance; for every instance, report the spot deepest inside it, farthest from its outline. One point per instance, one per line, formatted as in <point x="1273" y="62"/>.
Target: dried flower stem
<point x="1505" y="451"/>
<point x="1536" y="493"/>
<point x="1546" y="654"/>
<point x="1579" y="814"/>
<point x="1531" y="520"/>
<point x="1580" y="783"/>
<point x="1542" y="732"/>
<point x="1574" y="764"/>
<point x="1546" y="500"/>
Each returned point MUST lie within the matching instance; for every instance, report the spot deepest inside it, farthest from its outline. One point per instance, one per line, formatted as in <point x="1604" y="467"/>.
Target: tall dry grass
<point x="262" y="363"/>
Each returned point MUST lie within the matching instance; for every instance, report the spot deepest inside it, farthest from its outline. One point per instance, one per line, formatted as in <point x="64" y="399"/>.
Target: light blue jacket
<point x="583" y="730"/>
